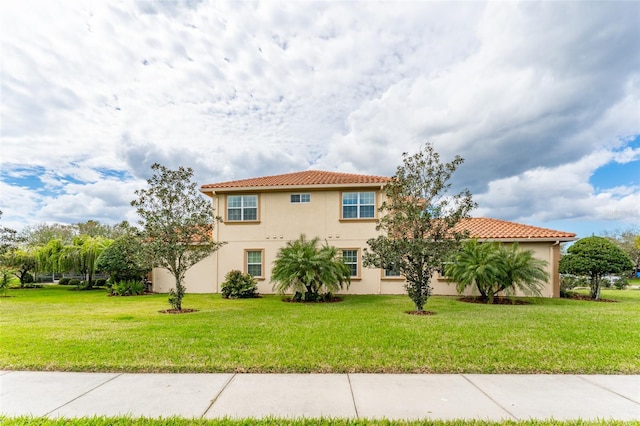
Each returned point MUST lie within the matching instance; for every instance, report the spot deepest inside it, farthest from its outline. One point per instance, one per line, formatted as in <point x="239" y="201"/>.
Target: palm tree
<point x="476" y="264"/>
<point x="522" y="271"/>
<point x="493" y="268"/>
<point x="307" y="269"/>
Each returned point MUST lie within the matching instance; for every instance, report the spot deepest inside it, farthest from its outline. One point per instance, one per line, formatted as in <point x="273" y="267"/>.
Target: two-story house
<point x="260" y="215"/>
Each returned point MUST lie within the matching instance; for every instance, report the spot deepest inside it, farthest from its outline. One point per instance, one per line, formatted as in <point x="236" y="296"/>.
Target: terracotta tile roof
<point x="309" y="177"/>
<point x="495" y="229"/>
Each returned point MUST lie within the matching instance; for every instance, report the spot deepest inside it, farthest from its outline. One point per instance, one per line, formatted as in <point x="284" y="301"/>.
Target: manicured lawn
<point x="58" y="329"/>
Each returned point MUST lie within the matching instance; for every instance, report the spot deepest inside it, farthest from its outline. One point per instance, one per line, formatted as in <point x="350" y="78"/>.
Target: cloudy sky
<point x="542" y="99"/>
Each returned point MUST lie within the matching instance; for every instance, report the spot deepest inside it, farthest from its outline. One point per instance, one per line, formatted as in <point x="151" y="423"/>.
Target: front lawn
<point x="58" y="329"/>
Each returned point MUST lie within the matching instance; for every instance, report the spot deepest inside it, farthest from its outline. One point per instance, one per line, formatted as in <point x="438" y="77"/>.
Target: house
<point x="260" y="215"/>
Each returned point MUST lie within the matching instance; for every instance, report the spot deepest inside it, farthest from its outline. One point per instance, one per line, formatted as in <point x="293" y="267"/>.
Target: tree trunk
<point x="595" y="288"/>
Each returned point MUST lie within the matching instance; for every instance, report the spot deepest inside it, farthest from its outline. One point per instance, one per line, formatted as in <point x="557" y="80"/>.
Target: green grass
<point x="57" y="329"/>
<point x="174" y="421"/>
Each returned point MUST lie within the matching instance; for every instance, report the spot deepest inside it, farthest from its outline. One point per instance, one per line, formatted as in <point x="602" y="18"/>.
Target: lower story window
<point x="350" y="258"/>
<point x="392" y="273"/>
<point x="253" y="262"/>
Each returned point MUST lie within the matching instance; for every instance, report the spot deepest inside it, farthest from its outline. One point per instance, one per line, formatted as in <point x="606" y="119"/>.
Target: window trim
<point x="245" y="262"/>
<point x="359" y="219"/>
<point x="226" y="208"/>
<point x="358" y="261"/>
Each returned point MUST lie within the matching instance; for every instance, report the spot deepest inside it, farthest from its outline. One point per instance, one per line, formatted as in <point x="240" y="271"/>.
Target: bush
<point x="127" y="288"/>
<point x="568" y="282"/>
<point x="64" y="281"/>
<point x="75" y="282"/>
<point x="620" y="283"/>
<point x="101" y="282"/>
<point x="239" y="286"/>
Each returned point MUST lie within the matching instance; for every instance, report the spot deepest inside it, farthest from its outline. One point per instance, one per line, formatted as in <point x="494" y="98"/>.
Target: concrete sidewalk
<point x="391" y="396"/>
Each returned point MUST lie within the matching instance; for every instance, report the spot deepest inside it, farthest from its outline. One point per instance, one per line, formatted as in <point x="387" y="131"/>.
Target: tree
<point x="629" y="241"/>
<point x="493" y="267"/>
<point x="82" y="256"/>
<point x="48" y="257"/>
<point x="8" y="238"/>
<point x="124" y="260"/>
<point x="595" y="257"/>
<point x="521" y="271"/>
<point x="418" y="222"/>
<point x="312" y="272"/>
<point x="176" y="224"/>
<point x="476" y="264"/>
<point x="41" y="234"/>
<point x="21" y="262"/>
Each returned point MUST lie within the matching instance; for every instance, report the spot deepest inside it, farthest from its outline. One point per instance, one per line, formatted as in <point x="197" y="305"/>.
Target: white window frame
<point x="243" y="208"/>
<point x="247" y="264"/>
<point x="356" y="263"/>
<point x="359" y="204"/>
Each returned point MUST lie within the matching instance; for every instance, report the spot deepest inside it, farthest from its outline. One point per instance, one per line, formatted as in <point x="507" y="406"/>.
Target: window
<point x="350" y="258"/>
<point x="253" y="262"/>
<point x="358" y="205"/>
<point x="392" y="273"/>
<point x="300" y="198"/>
<point x="242" y="207"/>
<point x="442" y="270"/>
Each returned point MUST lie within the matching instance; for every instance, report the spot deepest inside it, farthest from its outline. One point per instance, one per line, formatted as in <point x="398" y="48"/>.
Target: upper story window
<point x="242" y="207"/>
<point x="358" y="205"/>
<point x="300" y="198"/>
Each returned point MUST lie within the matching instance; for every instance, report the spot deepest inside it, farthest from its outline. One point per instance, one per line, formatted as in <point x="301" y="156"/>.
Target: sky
<point x="541" y="99"/>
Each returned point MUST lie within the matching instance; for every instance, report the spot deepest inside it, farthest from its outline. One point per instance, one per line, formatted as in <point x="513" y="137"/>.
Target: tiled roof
<point x="309" y="177"/>
<point x="495" y="229"/>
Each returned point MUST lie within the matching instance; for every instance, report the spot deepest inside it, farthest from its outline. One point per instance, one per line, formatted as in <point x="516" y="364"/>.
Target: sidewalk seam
<point x="353" y="397"/>
<point x="489" y="396"/>
<point x="215" y="398"/>
<point x="83" y="394"/>
<point x="585" y="378"/>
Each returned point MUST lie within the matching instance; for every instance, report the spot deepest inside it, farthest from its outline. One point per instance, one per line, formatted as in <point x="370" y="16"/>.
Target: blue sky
<point x="542" y="99"/>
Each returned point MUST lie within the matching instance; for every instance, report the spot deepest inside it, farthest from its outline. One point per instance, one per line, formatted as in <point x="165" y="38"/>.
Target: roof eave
<point x="288" y="188"/>
<point x="528" y="240"/>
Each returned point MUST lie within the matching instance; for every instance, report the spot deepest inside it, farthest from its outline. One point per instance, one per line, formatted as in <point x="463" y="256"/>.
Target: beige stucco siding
<point x="198" y="279"/>
<point x="280" y="221"/>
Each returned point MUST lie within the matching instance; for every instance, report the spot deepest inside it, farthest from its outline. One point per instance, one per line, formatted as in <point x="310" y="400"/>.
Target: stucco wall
<point x="281" y="221"/>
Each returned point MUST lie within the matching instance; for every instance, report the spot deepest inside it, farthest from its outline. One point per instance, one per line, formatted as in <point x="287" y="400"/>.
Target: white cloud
<point x="545" y="194"/>
<point x="240" y="89"/>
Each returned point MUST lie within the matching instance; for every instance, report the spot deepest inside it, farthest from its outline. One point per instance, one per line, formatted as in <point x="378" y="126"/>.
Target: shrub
<point x="127" y="288"/>
<point x="136" y="287"/>
<point x="101" y="282"/>
<point x="74" y="281"/>
<point x="64" y="281"/>
<point x="119" y="288"/>
<point x="239" y="286"/>
<point x="620" y="283"/>
<point x="568" y="282"/>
